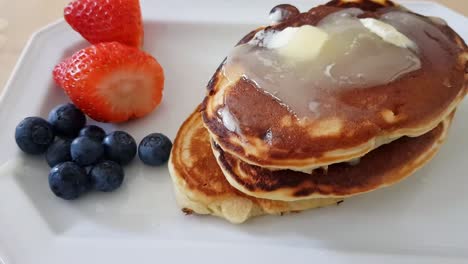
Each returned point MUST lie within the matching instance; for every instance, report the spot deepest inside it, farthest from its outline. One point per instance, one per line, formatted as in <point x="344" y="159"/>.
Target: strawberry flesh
<point x="111" y="82"/>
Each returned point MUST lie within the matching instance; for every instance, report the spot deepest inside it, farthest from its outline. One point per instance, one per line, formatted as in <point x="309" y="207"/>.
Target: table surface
<point x="20" y="18"/>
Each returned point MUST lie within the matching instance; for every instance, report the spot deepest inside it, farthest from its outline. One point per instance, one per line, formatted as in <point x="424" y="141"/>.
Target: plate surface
<point x="422" y="220"/>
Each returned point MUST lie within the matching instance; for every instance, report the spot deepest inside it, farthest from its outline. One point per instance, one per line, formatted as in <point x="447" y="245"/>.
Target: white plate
<point x="424" y="219"/>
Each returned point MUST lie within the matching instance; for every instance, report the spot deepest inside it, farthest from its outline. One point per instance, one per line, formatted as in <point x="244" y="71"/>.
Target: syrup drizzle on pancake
<point x="353" y="57"/>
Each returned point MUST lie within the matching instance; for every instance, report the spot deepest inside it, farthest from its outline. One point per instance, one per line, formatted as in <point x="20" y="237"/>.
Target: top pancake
<point x="269" y="135"/>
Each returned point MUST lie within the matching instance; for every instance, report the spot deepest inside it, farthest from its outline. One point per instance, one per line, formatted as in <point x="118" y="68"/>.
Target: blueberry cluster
<point x="85" y="157"/>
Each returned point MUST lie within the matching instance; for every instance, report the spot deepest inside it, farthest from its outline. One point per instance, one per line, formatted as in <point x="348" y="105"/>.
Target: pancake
<point x="257" y="127"/>
<point x="381" y="167"/>
<point x="201" y="187"/>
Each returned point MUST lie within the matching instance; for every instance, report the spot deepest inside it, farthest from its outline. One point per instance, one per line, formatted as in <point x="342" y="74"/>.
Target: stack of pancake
<point x="248" y="151"/>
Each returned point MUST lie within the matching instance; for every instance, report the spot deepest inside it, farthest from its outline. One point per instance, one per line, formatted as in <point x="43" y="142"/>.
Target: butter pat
<point x="299" y="43"/>
<point x="388" y="33"/>
<point x="281" y="39"/>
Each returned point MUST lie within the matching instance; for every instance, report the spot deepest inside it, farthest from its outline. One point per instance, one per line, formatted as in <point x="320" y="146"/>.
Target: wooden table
<point x="20" y="18"/>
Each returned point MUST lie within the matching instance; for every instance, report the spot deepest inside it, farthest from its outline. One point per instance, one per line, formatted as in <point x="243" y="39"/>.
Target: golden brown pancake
<point x="201" y="187"/>
<point x="352" y="121"/>
<point x="381" y="167"/>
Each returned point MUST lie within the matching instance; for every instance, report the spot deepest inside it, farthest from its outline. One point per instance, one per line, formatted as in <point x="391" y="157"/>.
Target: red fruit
<point x="106" y="20"/>
<point x="112" y="82"/>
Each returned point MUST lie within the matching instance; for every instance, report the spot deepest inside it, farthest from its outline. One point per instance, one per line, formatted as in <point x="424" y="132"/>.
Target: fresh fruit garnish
<point x="120" y="147"/>
<point x="93" y="132"/>
<point x="155" y="149"/>
<point x="68" y="180"/>
<point x="107" y="20"/>
<point x="67" y="120"/>
<point x="106" y="176"/>
<point x="34" y="135"/>
<point x="112" y="82"/>
<point x="71" y="159"/>
<point x="58" y="152"/>
<point x="86" y="151"/>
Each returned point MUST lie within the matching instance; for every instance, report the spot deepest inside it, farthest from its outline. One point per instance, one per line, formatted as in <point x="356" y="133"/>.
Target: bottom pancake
<point x="201" y="187"/>
<point x="379" y="168"/>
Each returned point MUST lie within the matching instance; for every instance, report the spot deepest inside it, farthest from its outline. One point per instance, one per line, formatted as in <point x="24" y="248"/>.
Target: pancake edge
<point x="406" y="171"/>
<point x="231" y="206"/>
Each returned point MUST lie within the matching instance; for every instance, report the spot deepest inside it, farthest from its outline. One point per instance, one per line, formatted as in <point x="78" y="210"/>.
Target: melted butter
<point x="351" y="57"/>
<point x="228" y="120"/>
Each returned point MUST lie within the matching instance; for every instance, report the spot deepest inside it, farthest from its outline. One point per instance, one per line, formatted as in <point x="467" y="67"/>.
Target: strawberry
<point x="112" y="82"/>
<point x="106" y="20"/>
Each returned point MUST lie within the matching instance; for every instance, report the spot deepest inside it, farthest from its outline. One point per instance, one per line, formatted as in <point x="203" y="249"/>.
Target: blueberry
<point x="86" y="151"/>
<point x="106" y="176"/>
<point x="34" y="135"/>
<point x="93" y="132"/>
<point x="120" y="147"/>
<point x="67" y="120"/>
<point x="58" y="152"/>
<point x="68" y="180"/>
<point x="155" y="149"/>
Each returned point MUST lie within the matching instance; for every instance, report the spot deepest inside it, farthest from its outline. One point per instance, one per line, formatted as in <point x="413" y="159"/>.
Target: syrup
<point x="352" y="57"/>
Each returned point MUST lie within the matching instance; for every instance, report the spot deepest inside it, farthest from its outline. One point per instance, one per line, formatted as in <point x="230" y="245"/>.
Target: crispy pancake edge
<point x="193" y="196"/>
<point x="397" y="160"/>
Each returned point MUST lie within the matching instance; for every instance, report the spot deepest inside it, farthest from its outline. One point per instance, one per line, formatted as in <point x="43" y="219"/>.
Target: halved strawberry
<point x="106" y="20"/>
<point x="112" y="82"/>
